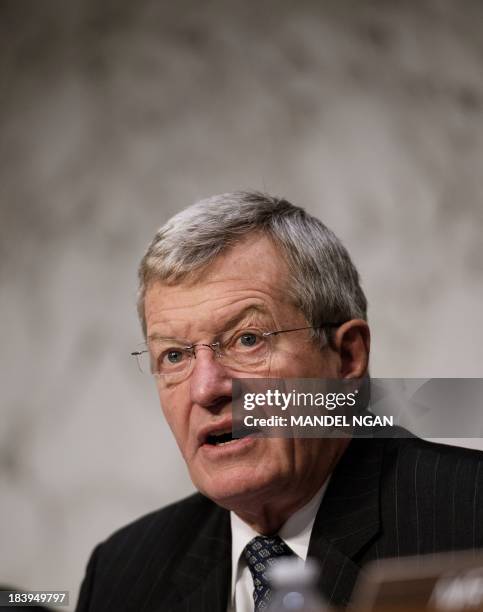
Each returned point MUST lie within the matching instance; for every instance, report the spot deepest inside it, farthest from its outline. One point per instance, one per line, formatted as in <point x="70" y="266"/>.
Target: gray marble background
<point x="113" y="116"/>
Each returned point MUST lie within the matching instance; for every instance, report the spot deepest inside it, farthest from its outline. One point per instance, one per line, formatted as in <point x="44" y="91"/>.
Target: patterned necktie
<point x="261" y="553"/>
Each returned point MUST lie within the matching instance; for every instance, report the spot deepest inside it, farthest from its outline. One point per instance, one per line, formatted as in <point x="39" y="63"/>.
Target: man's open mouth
<point x="223" y="433"/>
<point x="220" y="438"/>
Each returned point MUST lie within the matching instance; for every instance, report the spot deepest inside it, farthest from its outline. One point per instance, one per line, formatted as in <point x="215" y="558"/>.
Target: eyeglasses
<point x="246" y="351"/>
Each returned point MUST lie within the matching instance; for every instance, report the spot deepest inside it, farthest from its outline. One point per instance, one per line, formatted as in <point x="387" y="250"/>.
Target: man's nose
<point x="210" y="383"/>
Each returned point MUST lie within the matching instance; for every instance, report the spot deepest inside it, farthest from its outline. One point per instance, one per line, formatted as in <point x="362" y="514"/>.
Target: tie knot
<point x="260" y="554"/>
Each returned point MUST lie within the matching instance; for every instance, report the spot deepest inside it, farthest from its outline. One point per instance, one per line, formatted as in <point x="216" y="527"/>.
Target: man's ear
<point x="352" y="341"/>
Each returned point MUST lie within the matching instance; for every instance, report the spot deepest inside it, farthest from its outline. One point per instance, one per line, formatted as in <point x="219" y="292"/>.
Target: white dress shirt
<point x="295" y="533"/>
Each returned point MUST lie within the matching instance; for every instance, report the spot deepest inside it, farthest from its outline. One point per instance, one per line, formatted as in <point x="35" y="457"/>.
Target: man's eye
<point x="248" y="339"/>
<point x="173" y="357"/>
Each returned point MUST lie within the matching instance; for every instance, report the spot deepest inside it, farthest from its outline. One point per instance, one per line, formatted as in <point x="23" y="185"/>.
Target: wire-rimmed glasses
<point x="244" y="351"/>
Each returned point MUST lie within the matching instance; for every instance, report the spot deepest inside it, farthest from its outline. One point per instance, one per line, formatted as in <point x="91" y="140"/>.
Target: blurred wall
<point x="115" y="115"/>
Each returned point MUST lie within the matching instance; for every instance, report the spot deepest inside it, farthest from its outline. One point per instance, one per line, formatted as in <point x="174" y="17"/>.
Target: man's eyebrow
<point x="254" y="309"/>
<point x="157" y="336"/>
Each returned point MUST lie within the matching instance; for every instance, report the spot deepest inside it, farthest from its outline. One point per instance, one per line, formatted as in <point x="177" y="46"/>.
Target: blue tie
<point x="260" y="553"/>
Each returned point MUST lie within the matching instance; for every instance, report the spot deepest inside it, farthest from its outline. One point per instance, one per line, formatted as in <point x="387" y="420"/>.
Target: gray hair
<point x="323" y="282"/>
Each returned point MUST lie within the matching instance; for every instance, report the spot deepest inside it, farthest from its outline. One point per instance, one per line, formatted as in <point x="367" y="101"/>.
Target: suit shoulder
<point x="454" y="468"/>
<point x="413" y="447"/>
<point x="143" y="557"/>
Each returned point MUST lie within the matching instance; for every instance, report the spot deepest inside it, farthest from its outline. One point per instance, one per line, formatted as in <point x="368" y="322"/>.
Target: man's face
<point x="243" y="289"/>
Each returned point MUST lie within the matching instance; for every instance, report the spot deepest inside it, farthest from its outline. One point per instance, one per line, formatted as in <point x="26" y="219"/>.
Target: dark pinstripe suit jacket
<point x="386" y="498"/>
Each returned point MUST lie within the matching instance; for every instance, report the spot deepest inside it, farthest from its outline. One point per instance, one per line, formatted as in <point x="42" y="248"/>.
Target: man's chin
<point x="233" y="490"/>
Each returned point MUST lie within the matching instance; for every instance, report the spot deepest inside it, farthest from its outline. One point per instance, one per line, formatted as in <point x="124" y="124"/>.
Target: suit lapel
<point x="348" y="518"/>
<point x="203" y="575"/>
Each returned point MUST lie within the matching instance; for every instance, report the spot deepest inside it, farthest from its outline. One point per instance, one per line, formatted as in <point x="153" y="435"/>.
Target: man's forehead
<point x="229" y="297"/>
<point x="252" y="274"/>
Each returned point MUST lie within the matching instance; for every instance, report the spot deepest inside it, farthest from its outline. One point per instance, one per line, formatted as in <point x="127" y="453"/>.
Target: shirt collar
<point x="295" y="533"/>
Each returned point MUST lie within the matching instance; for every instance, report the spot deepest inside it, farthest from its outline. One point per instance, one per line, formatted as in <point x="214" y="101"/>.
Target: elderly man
<point x="217" y="280"/>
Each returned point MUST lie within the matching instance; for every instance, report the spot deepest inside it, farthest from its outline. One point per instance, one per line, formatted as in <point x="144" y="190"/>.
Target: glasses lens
<point x="168" y="360"/>
<point x="247" y="351"/>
